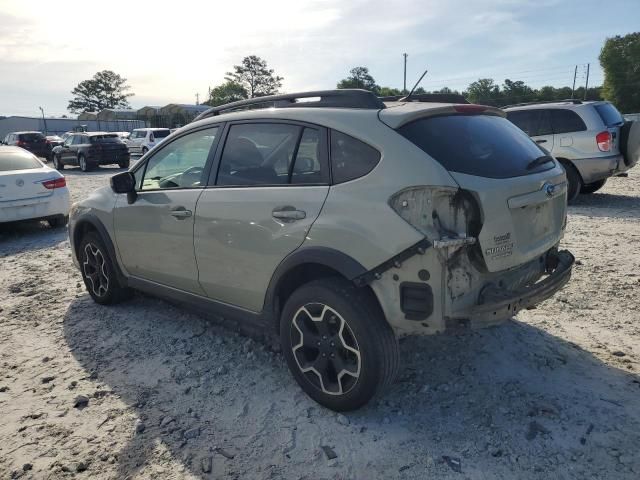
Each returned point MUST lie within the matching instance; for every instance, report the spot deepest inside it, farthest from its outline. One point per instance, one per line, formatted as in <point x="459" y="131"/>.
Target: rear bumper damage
<point x="496" y="304"/>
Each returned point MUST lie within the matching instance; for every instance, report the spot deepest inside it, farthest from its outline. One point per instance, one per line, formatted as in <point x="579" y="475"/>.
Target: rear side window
<point x="532" y="122"/>
<point x="161" y="133"/>
<point x="481" y="145"/>
<point x="17" y="161"/>
<point x="609" y="114"/>
<point x="351" y="158"/>
<point x="565" y="121"/>
<point x="31" y="137"/>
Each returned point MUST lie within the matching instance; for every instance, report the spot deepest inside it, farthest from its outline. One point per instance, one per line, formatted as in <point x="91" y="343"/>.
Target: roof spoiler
<point x="427" y="97"/>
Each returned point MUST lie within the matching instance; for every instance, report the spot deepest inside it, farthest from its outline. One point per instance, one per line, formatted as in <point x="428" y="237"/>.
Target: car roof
<point x="15" y="150"/>
<point x="559" y="104"/>
<point x="26" y="131"/>
<point x="149" y="129"/>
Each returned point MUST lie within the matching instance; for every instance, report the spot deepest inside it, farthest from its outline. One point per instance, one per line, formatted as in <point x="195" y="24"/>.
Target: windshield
<point x="481" y="145"/>
<point x="609" y="114"/>
<point x="161" y="133"/>
<point x="17" y="161"/>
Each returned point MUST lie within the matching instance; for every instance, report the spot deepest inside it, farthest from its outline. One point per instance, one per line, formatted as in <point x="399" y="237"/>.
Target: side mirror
<point x="125" y="182"/>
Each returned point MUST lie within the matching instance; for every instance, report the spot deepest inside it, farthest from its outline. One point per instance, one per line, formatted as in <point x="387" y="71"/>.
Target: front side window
<point x="532" y="122"/>
<point x="181" y="163"/>
<point x="565" y="121"/>
<point x="351" y="158"/>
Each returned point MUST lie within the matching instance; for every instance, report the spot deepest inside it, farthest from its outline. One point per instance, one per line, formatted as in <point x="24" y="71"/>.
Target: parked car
<point x="34" y="142"/>
<point x="341" y="225"/>
<point x="141" y="140"/>
<point x="54" y="141"/>
<point x="90" y="149"/>
<point x="588" y="138"/>
<point x="31" y="190"/>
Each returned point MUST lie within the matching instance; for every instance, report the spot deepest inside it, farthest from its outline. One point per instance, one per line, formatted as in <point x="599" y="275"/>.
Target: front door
<point x="270" y="188"/>
<point x="154" y="234"/>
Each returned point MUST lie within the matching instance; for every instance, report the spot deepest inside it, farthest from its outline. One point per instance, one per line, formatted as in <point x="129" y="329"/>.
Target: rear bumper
<point x="498" y="304"/>
<point x="109" y="158"/>
<point x="30" y="209"/>
<point x="598" y="168"/>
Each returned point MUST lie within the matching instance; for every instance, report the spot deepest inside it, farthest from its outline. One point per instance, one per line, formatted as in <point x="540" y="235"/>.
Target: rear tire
<point x="57" y="163"/>
<point x="573" y="180"/>
<point x="99" y="273"/>
<point x="337" y="343"/>
<point x="124" y="164"/>
<point x="59" y="221"/>
<point x="593" y="187"/>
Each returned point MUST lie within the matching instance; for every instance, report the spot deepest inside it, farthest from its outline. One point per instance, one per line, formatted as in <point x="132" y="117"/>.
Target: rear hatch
<point x="520" y="190"/>
<point x="108" y="144"/>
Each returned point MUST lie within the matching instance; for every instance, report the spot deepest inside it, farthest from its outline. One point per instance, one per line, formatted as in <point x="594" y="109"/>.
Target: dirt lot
<point x="147" y="390"/>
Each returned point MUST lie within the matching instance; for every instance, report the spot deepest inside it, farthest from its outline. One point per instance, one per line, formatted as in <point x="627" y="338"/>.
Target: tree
<point x="620" y="60"/>
<point x="388" y="92"/>
<point x="484" y="90"/>
<point x="226" y="93"/>
<point x="359" y="78"/>
<point x="106" y="89"/>
<point x="255" y="77"/>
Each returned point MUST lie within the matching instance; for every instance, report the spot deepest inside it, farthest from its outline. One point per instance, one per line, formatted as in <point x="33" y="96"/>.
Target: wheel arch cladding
<point x="88" y="223"/>
<point x="303" y="266"/>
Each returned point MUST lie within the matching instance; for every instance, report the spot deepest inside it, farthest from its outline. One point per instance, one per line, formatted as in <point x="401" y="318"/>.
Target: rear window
<point x="17" y="161"/>
<point x="106" y="139"/>
<point x="566" y="121"/>
<point x="31" y="137"/>
<point x="481" y="145"/>
<point x="609" y="114"/>
<point x="161" y="133"/>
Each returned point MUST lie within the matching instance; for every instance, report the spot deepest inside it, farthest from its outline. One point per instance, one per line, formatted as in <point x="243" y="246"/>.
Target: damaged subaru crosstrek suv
<point x="338" y="221"/>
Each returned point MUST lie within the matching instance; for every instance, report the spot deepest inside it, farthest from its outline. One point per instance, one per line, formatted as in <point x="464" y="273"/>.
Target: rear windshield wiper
<point x="539" y="161"/>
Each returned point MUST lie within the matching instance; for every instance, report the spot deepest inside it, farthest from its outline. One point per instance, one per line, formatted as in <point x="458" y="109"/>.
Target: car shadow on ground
<point x="511" y="400"/>
<point x="606" y="205"/>
<point x="18" y="237"/>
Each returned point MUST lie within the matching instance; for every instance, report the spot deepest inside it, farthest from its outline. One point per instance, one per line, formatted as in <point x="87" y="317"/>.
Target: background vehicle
<point x="34" y="142"/>
<point x="31" y="190"/>
<point x="337" y="222"/>
<point x="588" y="138"/>
<point x="88" y="150"/>
<point x="54" y="141"/>
<point x="141" y="140"/>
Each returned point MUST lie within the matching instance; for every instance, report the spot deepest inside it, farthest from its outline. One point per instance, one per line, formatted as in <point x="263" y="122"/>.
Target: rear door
<point x="272" y="181"/>
<point x="154" y="234"/>
<point x="521" y="191"/>
<point x="536" y="123"/>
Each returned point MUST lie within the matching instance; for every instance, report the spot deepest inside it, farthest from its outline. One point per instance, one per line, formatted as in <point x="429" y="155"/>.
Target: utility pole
<point x="43" y="120"/>
<point x="586" y="83"/>
<point x="404" y="87"/>
<point x="197" y="99"/>
<point x="573" y="89"/>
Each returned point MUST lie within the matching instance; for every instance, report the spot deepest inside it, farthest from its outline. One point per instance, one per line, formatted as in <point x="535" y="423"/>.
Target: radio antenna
<point x="408" y="97"/>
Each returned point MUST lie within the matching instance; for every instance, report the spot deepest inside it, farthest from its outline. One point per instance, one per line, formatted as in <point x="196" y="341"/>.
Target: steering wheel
<point x="191" y="176"/>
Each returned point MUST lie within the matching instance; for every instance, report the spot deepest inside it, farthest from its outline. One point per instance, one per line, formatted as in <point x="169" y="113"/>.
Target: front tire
<point x="337" y="343"/>
<point x="593" y="187"/>
<point x="144" y="151"/>
<point x="124" y="164"/>
<point x="99" y="273"/>
<point x="57" y="163"/>
<point x="82" y="162"/>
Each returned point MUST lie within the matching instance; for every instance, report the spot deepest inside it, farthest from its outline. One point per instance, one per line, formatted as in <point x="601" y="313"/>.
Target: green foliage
<point x="255" y="77"/>
<point x="620" y="60"/>
<point x="106" y="89"/>
<point x="388" y="92"/>
<point x="226" y="93"/>
<point x="359" y="78"/>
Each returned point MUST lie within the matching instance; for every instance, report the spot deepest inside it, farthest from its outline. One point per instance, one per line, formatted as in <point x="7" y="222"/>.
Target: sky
<point x="169" y="51"/>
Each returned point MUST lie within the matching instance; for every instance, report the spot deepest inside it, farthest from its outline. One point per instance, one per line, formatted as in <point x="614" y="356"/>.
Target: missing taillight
<point x="603" y="139"/>
<point x="54" y="183"/>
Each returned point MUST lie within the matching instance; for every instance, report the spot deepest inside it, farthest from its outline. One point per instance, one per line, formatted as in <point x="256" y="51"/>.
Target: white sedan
<point x="30" y="190"/>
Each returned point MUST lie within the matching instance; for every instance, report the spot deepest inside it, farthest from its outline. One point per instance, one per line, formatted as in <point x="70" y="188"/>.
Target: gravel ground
<point x="147" y="390"/>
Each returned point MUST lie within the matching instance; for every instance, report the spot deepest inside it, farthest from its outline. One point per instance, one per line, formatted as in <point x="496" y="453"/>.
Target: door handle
<point x="181" y="212"/>
<point x="541" y="141"/>
<point x="288" y="213"/>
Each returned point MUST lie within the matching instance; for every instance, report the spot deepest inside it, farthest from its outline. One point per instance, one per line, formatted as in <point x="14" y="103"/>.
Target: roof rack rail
<point x="427" y="97"/>
<point x="575" y="101"/>
<point x="343" y="98"/>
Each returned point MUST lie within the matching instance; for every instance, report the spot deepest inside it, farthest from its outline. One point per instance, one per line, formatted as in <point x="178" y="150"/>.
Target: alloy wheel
<point x="95" y="270"/>
<point x="325" y="349"/>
